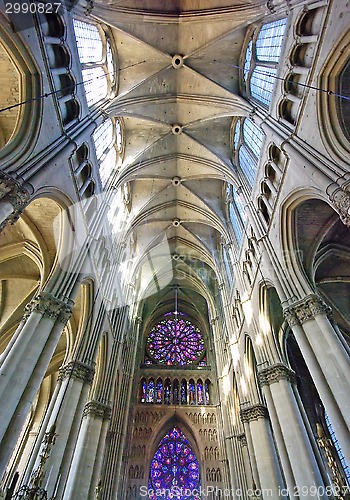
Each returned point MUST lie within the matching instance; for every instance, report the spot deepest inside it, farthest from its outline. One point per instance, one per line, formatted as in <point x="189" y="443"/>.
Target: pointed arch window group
<point x="167" y="391"/>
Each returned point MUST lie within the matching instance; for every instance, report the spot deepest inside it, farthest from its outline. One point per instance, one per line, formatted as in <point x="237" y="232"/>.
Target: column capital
<point x="274" y="373"/>
<point x="98" y="410"/>
<point x="340" y="198"/>
<point x="254" y="412"/>
<point x="242" y="439"/>
<point x="13" y="191"/>
<point x="50" y="307"/>
<point x="305" y="309"/>
<point x="78" y="371"/>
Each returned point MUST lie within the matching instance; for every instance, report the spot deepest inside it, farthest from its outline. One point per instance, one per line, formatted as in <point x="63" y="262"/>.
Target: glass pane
<point x="89" y="42"/>
<point x="247" y="164"/>
<point x="192" y="392"/>
<point x="110" y="62"/>
<point x="107" y="166"/>
<point x="262" y="83"/>
<point x="237" y="134"/>
<point x="143" y="390"/>
<point x="248" y="58"/>
<point x="236" y="223"/>
<point x="103" y="137"/>
<point x="95" y="83"/>
<point x="253" y="137"/>
<point x="206" y="390"/>
<point x="270" y="39"/>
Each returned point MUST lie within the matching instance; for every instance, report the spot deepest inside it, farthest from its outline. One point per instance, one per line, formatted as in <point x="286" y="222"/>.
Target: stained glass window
<point x="175" y="342"/>
<point x="192" y="392"/>
<point x="200" y="393"/>
<point x="174" y="468"/>
<point x="183" y="392"/>
<point x="159" y="391"/>
<point x="176" y="392"/>
<point x="206" y="392"/>
<point x="167" y="392"/>
<point x="143" y="390"/>
<point x="150" y="391"/>
<point x="248" y="147"/>
<point x="269" y="42"/>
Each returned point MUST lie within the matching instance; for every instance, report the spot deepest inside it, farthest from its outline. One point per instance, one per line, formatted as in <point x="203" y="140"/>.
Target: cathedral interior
<point x="174" y="249"/>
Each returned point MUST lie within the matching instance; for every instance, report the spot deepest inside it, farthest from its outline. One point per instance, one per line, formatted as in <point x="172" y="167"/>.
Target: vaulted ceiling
<point x="178" y="93"/>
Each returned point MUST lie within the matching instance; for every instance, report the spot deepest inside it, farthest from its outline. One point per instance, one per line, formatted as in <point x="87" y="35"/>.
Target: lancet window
<point x="247" y="144"/>
<point x="175" y="391"/>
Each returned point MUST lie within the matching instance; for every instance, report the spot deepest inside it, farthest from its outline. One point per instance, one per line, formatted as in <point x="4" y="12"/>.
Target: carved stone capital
<point x="13" y="191"/>
<point x="254" y="412"/>
<point x="275" y="373"/>
<point x="341" y="201"/>
<point x="78" y="371"/>
<point x="97" y="410"/>
<point x="242" y="439"/>
<point x="50" y="307"/>
<point x="305" y="309"/>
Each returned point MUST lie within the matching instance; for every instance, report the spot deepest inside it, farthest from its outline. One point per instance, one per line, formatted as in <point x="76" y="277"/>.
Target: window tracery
<point x="96" y="57"/>
<point x="175" y="342"/>
<point x="261" y="59"/>
<point x="107" y="139"/>
<point x="174" y="465"/>
<point x="191" y="392"/>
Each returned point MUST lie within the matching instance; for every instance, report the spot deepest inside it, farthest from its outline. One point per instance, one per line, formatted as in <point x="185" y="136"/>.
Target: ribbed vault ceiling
<point x="178" y="117"/>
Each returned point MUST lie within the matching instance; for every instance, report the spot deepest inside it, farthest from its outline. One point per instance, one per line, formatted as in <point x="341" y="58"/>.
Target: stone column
<point x="261" y="446"/>
<point x="24" y="365"/>
<point x="86" y="464"/>
<point x="75" y="379"/>
<point x="298" y="460"/>
<point x="327" y="360"/>
<point x="14" y="198"/>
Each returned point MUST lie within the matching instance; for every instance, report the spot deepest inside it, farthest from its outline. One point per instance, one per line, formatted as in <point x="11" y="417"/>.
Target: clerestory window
<point x="97" y="61"/>
<point x="108" y="146"/>
<point x="261" y="60"/>
<point x="247" y="143"/>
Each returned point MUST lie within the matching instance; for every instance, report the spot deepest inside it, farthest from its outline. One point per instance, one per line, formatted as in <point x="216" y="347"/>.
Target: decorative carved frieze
<point x="341" y="201"/>
<point x="78" y="371"/>
<point x="254" y="412"/>
<point x="275" y="373"/>
<point x="97" y="410"/>
<point x="305" y="309"/>
<point x="50" y="307"/>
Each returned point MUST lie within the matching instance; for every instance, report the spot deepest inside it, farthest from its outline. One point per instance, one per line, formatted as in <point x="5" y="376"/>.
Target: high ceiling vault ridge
<point x="178" y="94"/>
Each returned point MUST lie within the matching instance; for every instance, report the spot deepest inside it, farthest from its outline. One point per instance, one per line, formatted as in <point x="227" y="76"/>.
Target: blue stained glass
<point x="150" y="391"/>
<point x="338" y="448"/>
<point x="174" y="468"/>
<point x="192" y="392"/>
<point x="206" y="391"/>
<point x="175" y="342"/>
<point x="200" y="393"/>
<point x="167" y="392"/>
<point x="184" y="392"/>
<point x="159" y="391"/>
<point x="143" y="391"/>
